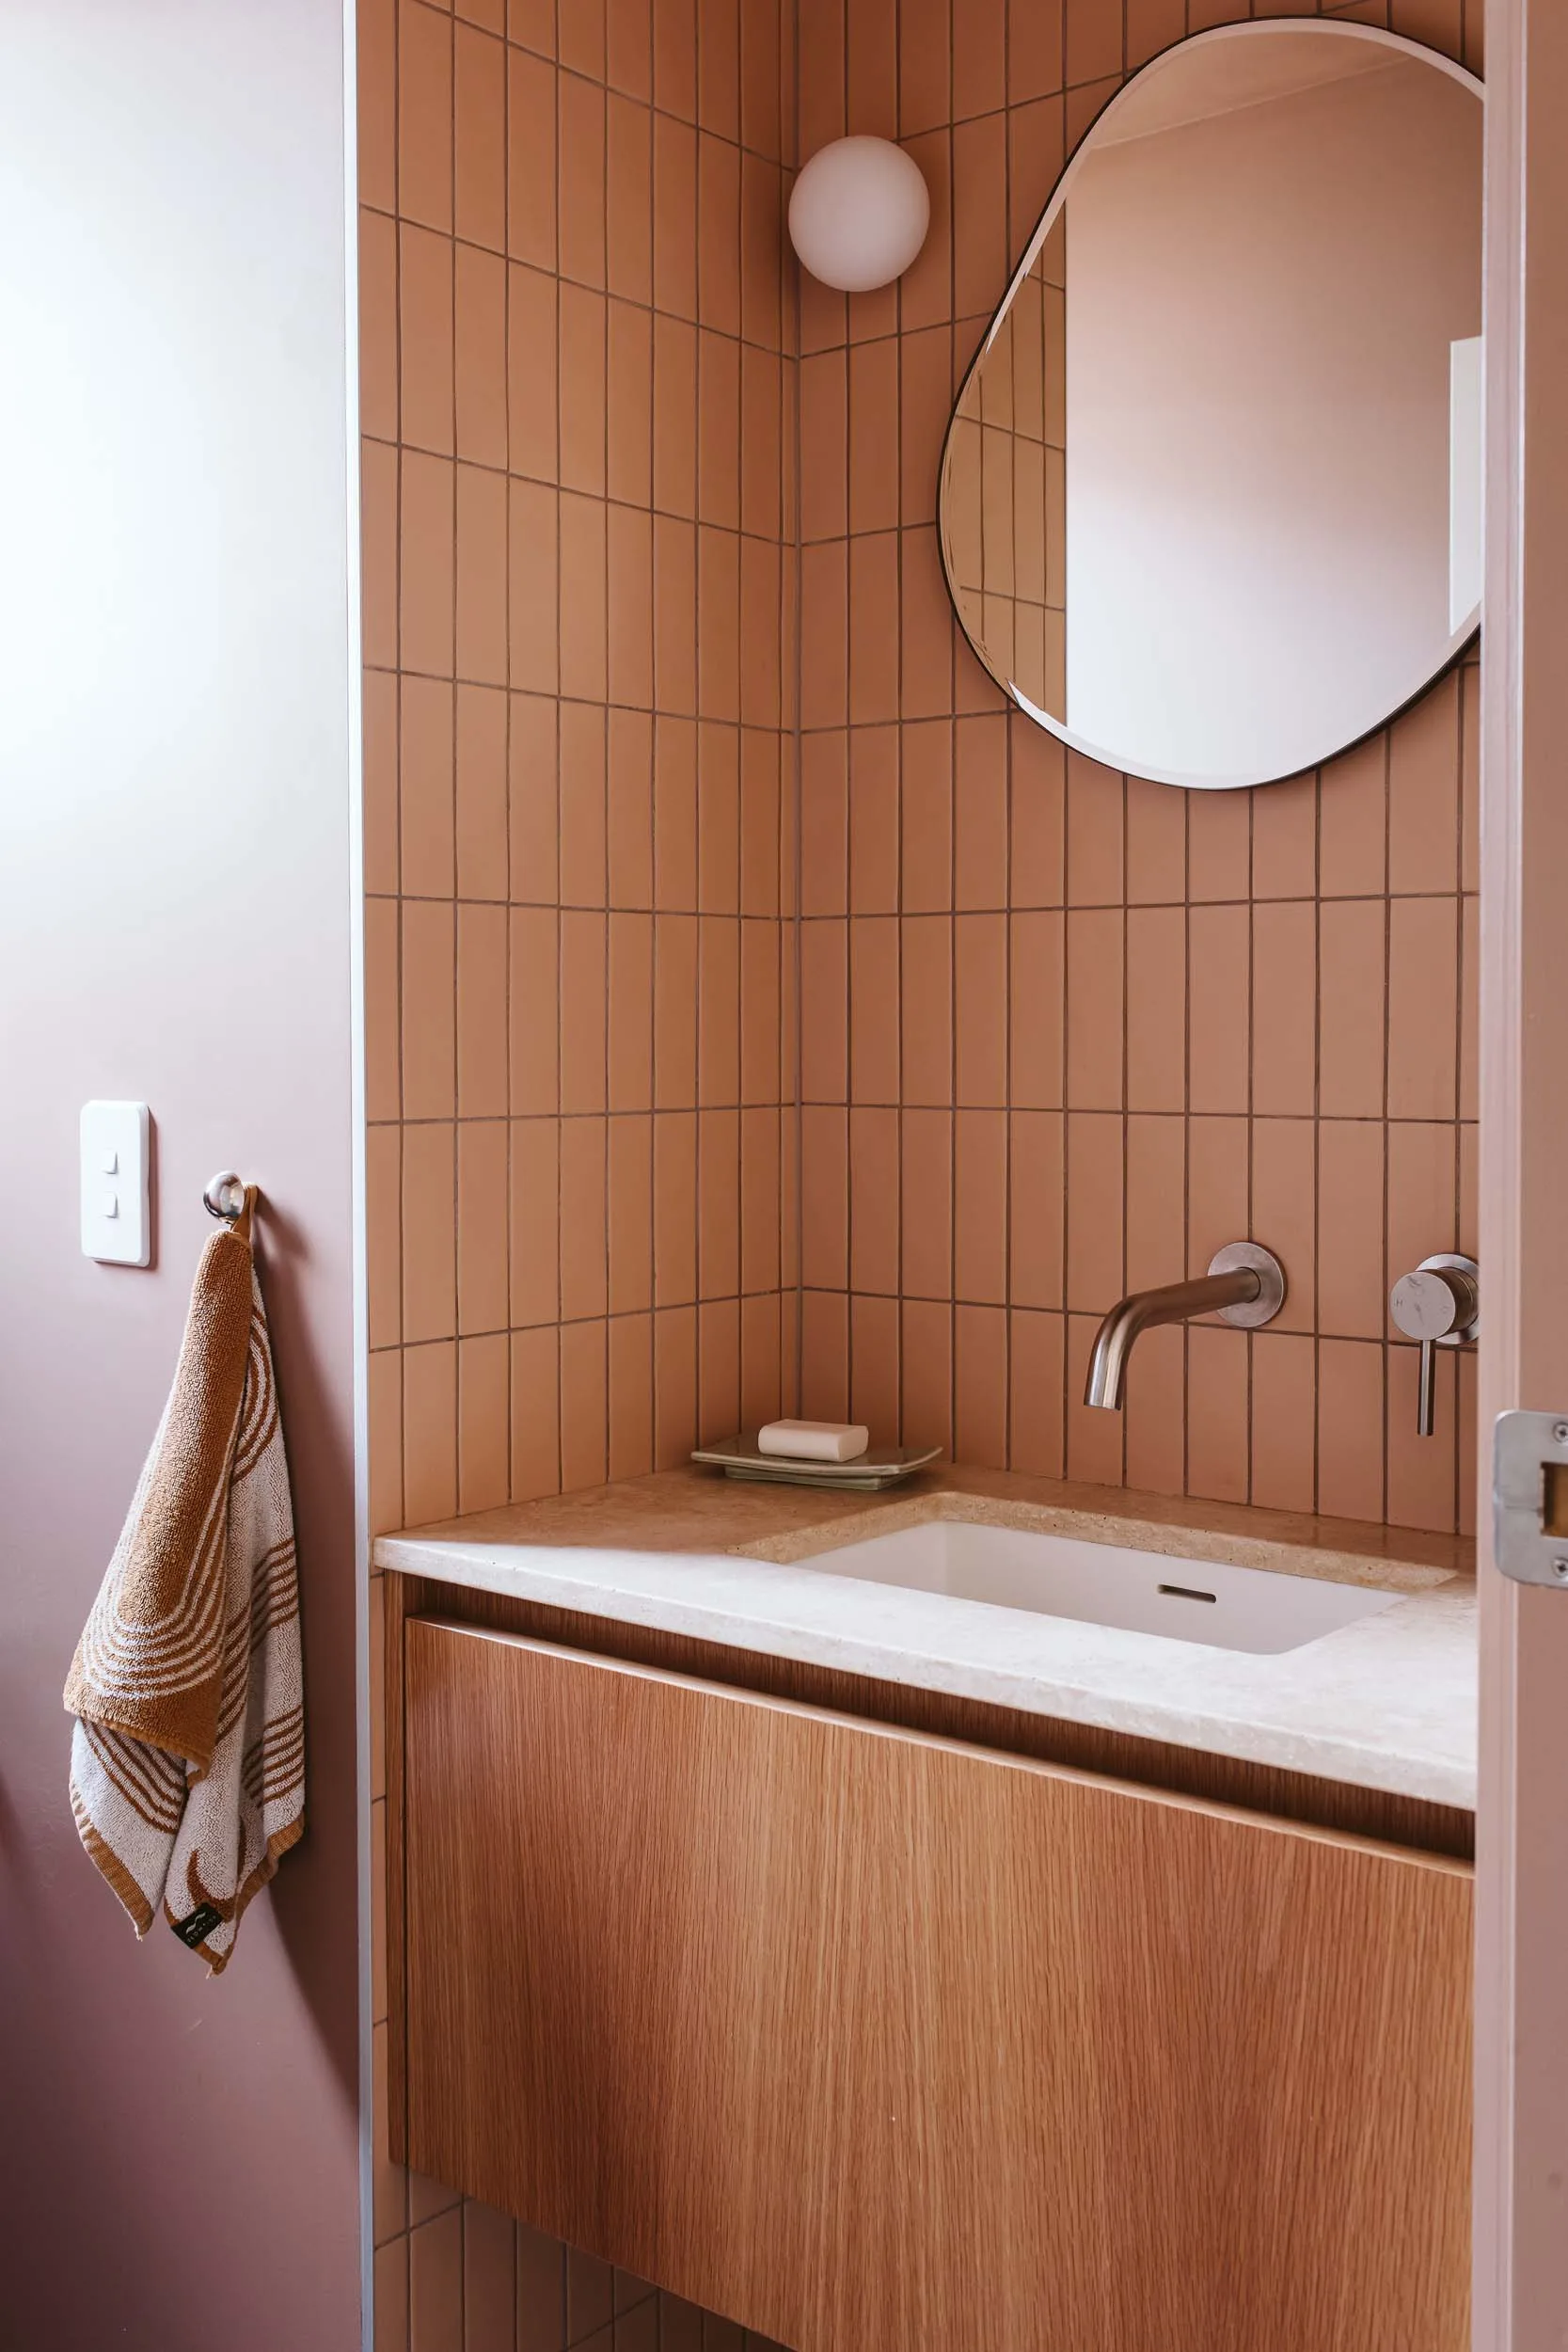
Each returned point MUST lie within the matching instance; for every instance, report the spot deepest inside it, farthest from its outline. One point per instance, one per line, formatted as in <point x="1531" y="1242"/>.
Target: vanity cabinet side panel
<point x="868" y="2040"/>
<point x="395" y="1616"/>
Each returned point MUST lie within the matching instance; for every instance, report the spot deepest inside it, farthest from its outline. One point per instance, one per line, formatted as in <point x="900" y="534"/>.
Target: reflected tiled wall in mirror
<point x="1008" y="487"/>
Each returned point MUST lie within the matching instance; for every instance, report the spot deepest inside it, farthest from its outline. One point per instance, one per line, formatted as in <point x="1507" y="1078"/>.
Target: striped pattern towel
<point x="187" y="1761"/>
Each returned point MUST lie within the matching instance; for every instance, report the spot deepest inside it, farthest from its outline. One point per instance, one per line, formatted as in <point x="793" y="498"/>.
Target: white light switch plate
<point x="117" y="1220"/>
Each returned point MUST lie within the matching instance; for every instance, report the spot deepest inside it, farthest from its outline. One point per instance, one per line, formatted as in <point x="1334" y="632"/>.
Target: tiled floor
<point x="470" y="2280"/>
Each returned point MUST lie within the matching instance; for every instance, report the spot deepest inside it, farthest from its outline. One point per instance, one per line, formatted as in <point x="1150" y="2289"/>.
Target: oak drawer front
<point x="876" y="2042"/>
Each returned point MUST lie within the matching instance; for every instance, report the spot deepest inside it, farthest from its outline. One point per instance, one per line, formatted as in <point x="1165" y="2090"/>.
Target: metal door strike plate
<point x="1530" y="1496"/>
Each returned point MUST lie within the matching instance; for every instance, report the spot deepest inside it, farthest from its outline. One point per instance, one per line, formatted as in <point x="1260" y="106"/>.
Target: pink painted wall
<point x="179" y="2165"/>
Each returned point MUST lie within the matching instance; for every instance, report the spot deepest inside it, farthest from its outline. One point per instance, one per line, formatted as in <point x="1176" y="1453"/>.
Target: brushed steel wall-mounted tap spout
<point x="1245" y="1285"/>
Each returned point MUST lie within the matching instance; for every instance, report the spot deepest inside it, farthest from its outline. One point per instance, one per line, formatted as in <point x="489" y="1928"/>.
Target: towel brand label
<point x="200" y="1923"/>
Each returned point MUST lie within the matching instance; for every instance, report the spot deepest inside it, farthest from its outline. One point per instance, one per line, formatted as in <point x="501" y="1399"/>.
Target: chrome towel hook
<point x="225" y="1196"/>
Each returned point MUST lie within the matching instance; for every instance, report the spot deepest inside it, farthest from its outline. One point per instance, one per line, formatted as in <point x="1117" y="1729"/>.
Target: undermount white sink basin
<point x="1141" y="1592"/>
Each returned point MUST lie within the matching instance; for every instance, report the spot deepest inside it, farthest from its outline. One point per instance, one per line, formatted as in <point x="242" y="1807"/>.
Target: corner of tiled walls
<point x="1064" y="1033"/>
<point x="1061" y="1032"/>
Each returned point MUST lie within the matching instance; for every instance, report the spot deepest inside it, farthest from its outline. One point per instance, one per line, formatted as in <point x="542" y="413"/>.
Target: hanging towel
<point x="187" y="1761"/>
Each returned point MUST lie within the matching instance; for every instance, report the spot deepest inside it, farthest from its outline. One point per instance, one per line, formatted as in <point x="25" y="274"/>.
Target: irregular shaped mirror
<point x="1210" y="497"/>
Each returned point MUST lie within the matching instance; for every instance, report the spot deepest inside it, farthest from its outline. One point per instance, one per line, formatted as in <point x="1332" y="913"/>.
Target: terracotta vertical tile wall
<point x="578" y="387"/>
<point x="580" y="413"/>
<point x="1065" y="1033"/>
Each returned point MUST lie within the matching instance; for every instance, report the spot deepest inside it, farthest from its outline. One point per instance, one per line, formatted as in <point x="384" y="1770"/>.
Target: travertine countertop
<point x="1389" y="1701"/>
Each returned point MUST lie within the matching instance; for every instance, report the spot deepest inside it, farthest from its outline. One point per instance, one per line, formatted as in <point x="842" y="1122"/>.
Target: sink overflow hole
<point x="1186" y="1592"/>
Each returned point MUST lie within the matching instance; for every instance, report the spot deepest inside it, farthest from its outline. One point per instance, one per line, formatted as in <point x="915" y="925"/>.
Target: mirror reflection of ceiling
<point x="1210" y="503"/>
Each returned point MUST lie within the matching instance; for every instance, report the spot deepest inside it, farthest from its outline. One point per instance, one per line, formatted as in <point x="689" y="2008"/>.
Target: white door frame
<point x="1521" y="2148"/>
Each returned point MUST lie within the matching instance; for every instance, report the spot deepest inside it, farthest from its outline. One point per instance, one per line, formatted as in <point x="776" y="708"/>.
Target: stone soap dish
<point x="879" y="1465"/>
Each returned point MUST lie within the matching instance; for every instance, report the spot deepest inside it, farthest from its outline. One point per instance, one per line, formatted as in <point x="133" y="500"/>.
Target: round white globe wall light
<point x="859" y="213"/>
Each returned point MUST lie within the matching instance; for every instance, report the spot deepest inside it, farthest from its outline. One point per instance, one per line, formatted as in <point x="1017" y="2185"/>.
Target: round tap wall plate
<point x="1271" y="1275"/>
<point x="1446" y="1261"/>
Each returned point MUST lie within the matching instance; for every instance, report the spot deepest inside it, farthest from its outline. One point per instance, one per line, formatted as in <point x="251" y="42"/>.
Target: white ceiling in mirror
<point x="1208" y="496"/>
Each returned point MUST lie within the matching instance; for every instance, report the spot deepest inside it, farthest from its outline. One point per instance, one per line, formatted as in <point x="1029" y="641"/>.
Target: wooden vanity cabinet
<point x="879" y="2042"/>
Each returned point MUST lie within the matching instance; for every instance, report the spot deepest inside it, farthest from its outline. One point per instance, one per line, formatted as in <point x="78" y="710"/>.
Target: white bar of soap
<point x="814" y="1441"/>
